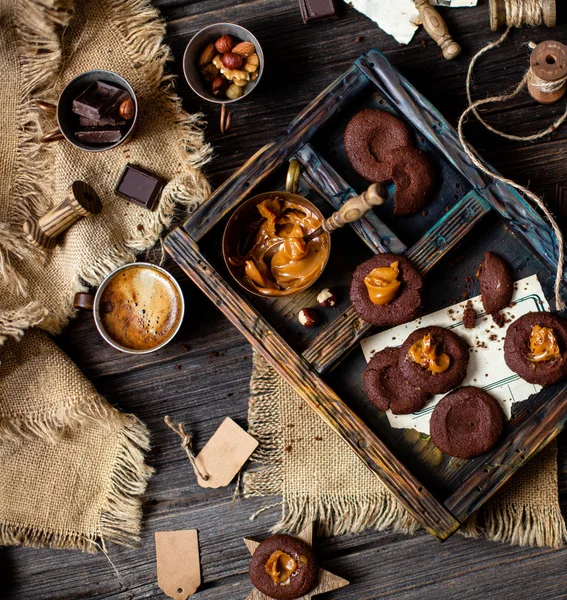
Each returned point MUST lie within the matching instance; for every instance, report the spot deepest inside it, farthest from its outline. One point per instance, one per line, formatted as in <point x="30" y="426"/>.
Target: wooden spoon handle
<point x="356" y="207"/>
<point x="436" y="27"/>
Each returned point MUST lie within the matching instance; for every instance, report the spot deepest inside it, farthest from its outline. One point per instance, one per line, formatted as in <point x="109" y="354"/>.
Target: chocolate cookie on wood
<point x="536" y="348"/>
<point x="467" y="422"/>
<point x="369" y="138"/>
<point x="414" y="176"/>
<point x="496" y="283"/>
<point x="406" y="303"/>
<point x="387" y="388"/>
<point x="434" y="359"/>
<point x="283" y="567"/>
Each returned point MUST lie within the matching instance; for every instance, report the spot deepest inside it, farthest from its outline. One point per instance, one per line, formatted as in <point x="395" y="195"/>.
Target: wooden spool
<point x="81" y="201"/>
<point x="548" y="63"/>
<point x="497" y="13"/>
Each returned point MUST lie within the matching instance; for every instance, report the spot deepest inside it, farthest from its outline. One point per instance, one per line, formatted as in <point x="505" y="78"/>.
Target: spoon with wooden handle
<point x="350" y="211"/>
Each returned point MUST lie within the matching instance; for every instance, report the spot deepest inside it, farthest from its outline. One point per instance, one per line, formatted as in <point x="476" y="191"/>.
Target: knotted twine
<point x="517" y="14"/>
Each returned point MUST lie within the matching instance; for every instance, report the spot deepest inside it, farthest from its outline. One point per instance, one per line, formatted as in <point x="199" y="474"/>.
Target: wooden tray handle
<point x="436" y="27"/>
<point x="356" y="207"/>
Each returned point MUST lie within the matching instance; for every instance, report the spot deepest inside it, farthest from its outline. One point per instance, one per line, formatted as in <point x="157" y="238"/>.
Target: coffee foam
<point x="139" y="308"/>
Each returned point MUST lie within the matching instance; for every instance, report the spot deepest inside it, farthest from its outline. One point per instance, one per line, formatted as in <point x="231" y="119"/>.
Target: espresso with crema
<point x="140" y="308"/>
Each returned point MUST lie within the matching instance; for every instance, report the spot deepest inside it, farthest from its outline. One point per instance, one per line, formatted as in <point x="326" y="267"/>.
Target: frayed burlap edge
<point x="121" y="513"/>
<point x="39" y="52"/>
<point x="335" y="514"/>
<point x="142" y="29"/>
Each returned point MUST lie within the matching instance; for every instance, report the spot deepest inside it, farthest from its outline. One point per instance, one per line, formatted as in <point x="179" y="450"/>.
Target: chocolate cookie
<point x="517" y="353"/>
<point x="413" y="174"/>
<point x="387" y="388"/>
<point x="377" y="130"/>
<point x="448" y="343"/>
<point x="469" y="316"/>
<point x="467" y="422"/>
<point x="404" y="307"/>
<point x="496" y="283"/>
<point x="283" y="567"/>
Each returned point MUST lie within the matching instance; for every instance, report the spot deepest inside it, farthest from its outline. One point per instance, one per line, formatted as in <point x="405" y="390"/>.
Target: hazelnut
<point x="231" y="61"/>
<point x="308" y="317"/>
<point x="233" y="92"/>
<point x="252" y="63"/>
<point x="224" y="44"/>
<point x="127" y="109"/>
<point x="207" y="55"/>
<point x="218" y="85"/>
<point x="244" y="49"/>
<point x="326" y="298"/>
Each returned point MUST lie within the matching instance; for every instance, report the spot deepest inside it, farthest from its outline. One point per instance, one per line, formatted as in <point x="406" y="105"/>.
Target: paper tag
<point x="178" y="563"/>
<point x="224" y="454"/>
<point x="487" y="368"/>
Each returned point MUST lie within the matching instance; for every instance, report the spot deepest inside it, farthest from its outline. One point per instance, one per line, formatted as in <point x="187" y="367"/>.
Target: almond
<point x="207" y="55"/>
<point x="244" y="49"/>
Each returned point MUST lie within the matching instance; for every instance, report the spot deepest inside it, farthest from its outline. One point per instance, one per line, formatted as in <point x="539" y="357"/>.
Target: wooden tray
<point x="439" y="491"/>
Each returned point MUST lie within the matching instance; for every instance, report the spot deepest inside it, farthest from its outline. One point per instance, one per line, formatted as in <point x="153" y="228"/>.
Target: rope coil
<point x="187" y="445"/>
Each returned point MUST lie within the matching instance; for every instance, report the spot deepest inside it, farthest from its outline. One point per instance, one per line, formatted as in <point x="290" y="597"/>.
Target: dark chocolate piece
<point x="99" y="100"/>
<point x="99" y="135"/>
<point x="317" y="10"/>
<point x="108" y="120"/>
<point x="140" y="186"/>
<point x="469" y="316"/>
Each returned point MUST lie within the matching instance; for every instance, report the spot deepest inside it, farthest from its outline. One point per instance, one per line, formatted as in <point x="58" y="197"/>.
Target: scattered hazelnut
<point x="326" y="298"/>
<point x="207" y="55"/>
<point x="252" y="63"/>
<point x="231" y="60"/>
<point x="224" y="44"/>
<point x="244" y="49"/>
<point x="219" y="85"/>
<point x="233" y="92"/>
<point x="127" y="109"/>
<point x="307" y="317"/>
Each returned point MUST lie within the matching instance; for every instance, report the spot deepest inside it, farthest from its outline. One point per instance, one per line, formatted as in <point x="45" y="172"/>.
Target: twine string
<point x="187" y="445"/>
<point x="523" y="12"/>
<point x="518" y="17"/>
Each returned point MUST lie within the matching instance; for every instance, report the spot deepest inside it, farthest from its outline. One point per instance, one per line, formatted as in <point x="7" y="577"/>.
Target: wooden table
<point x="204" y="374"/>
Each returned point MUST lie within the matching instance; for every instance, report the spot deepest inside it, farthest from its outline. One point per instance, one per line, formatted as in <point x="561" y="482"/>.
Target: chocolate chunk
<point x="140" y="186"/>
<point x="108" y="120"/>
<point x="469" y="316"/>
<point x="496" y="283"/>
<point x="317" y="10"/>
<point x="99" y="100"/>
<point x="99" y="135"/>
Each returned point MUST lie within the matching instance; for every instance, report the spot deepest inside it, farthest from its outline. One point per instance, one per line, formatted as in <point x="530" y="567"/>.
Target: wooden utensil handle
<point x="436" y="27"/>
<point x="356" y="207"/>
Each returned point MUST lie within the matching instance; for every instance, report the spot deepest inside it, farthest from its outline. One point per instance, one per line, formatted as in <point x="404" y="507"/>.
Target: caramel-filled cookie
<point x="496" y="283"/>
<point x="283" y="567"/>
<point x="386" y="388"/>
<point x="369" y="138"/>
<point x="536" y="348"/>
<point x="467" y="422"/>
<point x="407" y="301"/>
<point x="445" y="358"/>
<point x="414" y="176"/>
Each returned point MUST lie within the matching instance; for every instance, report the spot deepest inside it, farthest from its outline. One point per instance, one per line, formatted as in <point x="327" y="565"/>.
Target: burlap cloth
<point x="321" y="479"/>
<point x="72" y="466"/>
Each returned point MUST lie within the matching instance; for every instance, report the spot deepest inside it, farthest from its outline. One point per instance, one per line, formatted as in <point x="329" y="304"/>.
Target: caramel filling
<point x="383" y="284"/>
<point x="291" y="263"/>
<point x="543" y="344"/>
<point x="280" y="567"/>
<point x="424" y="353"/>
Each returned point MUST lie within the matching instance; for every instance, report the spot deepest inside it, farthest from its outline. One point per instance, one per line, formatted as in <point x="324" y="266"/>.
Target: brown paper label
<point x="178" y="563"/>
<point x="224" y="454"/>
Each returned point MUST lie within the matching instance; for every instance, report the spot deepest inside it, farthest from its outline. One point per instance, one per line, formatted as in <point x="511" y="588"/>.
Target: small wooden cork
<point x="497" y="13"/>
<point x="548" y="63"/>
<point x="81" y="201"/>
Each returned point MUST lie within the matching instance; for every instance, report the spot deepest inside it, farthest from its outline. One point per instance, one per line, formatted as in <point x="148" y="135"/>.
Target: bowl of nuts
<point x="223" y="63"/>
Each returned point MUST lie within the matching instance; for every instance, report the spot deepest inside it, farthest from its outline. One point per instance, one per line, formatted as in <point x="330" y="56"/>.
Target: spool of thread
<point x="82" y="201"/>
<point x="516" y="13"/>
<point x="547" y="78"/>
